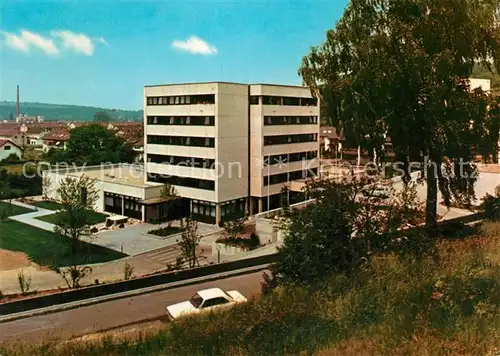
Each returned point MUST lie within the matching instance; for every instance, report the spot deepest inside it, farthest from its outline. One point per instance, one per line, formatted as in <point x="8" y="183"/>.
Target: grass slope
<point x="13" y="209"/>
<point x="445" y="303"/>
<point x="47" y="248"/>
<point x="54" y="112"/>
<point x="49" y="205"/>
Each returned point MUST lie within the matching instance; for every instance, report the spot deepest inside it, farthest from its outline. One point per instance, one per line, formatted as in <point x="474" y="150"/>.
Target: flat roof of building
<point x="223" y="82"/>
<point x="192" y="83"/>
<point x="124" y="174"/>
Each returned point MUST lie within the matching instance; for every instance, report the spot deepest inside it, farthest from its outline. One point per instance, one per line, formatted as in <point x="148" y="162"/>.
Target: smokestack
<point x="17" y="107"/>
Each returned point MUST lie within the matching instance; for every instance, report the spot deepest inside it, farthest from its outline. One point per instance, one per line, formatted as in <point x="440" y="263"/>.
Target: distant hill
<point x="55" y="112"/>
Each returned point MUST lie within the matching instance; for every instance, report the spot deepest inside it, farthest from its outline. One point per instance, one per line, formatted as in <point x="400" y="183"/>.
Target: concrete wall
<point x="266" y="223"/>
<point x="231" y="123"/>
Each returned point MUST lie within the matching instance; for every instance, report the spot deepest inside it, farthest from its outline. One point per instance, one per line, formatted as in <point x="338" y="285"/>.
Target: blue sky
<point x="102" y="53"/>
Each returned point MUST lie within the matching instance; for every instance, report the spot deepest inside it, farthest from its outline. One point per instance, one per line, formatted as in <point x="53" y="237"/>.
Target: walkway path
<point x="30" y="218"/>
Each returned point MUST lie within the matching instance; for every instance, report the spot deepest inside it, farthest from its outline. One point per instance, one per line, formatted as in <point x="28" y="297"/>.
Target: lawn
<point x="48" y="248"/>
<point x="95" y="218"/>
<point x="49" y="205"/>
<point x="14" y="209"/>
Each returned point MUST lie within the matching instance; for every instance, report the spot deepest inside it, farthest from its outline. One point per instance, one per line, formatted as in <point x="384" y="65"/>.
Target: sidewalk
<point x="30" y="218"/>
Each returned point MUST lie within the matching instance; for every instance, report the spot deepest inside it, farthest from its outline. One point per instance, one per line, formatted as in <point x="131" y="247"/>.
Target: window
<point x="271" y="100"/>
<point x="215" y="302"/>
<point x="254" y="100"/>
<point x="286" y="139"/>
<point x="183" y="181"/>
<point x="181" y="160"/>
<point x="181" y="99"/>
<point x="181" y="120"/>
<point x="291" y="101"/>
<point x="309" y="101"/>
<point x="6" y="148"/>
<point x="290" y="120"/>
<point x="196" y="300"/>
<point x="181" y="141"/>
<point x="287" y="177"/>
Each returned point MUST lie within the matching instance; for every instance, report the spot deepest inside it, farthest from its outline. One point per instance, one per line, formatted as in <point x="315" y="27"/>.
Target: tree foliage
<point x="168" y="192"/>
<point x="334" y="235"/>
<point x="93" y="145"/>
<point x="401" y="68"/>
<point x="189" y="241"/>
<point x="77" y="196"/>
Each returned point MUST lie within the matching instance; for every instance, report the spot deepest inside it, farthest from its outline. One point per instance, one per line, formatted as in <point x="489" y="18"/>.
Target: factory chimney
<point x="17" y="104"/>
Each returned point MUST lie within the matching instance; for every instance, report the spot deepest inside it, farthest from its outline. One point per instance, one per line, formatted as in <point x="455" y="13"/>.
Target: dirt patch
<point x="10" y="260"/>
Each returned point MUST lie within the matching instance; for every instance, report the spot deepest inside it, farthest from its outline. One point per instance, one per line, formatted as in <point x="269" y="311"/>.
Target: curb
<point x="107" y="298"/>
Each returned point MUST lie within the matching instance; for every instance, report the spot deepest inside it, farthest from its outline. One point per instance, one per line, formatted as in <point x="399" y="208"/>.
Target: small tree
<point x="24" y="282"/>
<point x="46" y="183"/>
<point x="77" y="197"/>
<point x="190" y="239"/>
<point x="72" y="275"/>
<point x="128" y="269"/>
<point x="168" y="193"/>
<point x="234" y="226"/>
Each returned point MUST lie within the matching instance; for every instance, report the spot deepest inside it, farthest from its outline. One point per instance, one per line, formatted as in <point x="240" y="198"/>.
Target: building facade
<point x="228" y="147"/>
<point x="284" y="142"/>
<point x="8" y="148"/>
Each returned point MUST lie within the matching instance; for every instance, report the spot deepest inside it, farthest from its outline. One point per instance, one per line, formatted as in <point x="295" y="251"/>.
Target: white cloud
<point x="44" y="43"/>
<point x="77" y="42"/>
<point x="26" y="39"/>
<point x="194" y="45"/>
<point x="16" y="42"/>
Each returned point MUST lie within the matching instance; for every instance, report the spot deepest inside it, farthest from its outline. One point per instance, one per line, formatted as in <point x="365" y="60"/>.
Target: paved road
<point x="113" y="314"/>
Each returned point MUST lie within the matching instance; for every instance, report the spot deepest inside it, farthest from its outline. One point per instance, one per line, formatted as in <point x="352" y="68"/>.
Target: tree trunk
<point x="431" y="203"/>
<point x="359" y="156"/>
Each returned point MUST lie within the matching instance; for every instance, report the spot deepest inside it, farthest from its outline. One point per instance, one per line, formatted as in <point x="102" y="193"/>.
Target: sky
<point x="102" y="53"/>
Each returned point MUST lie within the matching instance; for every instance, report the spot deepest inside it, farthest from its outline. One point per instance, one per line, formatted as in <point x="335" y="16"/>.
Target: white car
<point x="204" y="301"/>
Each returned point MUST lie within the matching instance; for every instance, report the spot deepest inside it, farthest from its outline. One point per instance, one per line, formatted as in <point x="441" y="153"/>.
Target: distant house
<point x="7" y="147"/>
<point x="26" y="134"/>
<point x="56" y="138"/>
<point x="331" y="140"/>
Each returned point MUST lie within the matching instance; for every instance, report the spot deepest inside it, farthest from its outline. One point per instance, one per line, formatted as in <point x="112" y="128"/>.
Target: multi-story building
<point x="228" y="147"/>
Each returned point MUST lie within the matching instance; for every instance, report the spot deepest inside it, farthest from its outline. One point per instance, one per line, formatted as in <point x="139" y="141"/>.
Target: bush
<point x="166" y="231"/>
<point x="250" y="243"/>
<point x="491" y="205"/>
